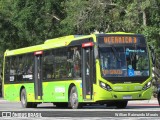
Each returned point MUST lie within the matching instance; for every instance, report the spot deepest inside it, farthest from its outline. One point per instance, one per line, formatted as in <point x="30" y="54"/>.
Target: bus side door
<point x="38" y="74"/>
<point x="87" y="71"/>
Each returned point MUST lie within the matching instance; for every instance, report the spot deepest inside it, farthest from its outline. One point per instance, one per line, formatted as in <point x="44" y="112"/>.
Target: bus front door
<point x="87" y="73"/>
<point x="38" y="75"/>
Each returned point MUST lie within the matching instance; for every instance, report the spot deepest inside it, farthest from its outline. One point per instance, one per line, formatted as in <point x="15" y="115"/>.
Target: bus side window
<point x="30" y="69"/>
<point x="60" y="63"/>
<point x="74" y="61"/>
<point x="20" y="65"/>
<point x="48" y="65"/>
<point x="12" y="70"/>
<point x="30" y="65"/>
<point x="7" y="66"/>
<point x="13" y="66"/>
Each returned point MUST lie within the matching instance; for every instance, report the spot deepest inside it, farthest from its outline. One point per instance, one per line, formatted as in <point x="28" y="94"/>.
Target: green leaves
<point x="27" y="22"/>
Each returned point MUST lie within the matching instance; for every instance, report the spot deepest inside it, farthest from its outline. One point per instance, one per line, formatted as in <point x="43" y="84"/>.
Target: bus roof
<point x="50" y="43"/>
<point x="55" y="42"/>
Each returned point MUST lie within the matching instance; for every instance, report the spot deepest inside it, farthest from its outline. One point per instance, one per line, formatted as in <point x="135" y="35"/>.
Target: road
<point x="135" y="109"/>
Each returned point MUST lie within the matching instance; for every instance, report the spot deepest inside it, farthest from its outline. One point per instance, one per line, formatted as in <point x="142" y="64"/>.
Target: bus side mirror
<point x="153" y="55"/>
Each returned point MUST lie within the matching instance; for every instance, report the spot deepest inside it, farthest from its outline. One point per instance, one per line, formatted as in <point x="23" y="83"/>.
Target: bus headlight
<point x="147" y="85"/>
<point x="105" y="86"/>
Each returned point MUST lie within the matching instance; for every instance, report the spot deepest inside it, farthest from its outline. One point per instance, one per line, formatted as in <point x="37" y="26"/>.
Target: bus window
<point x="74" y="62"/>
<point x="60" y="63"/>
<point x="113" y="61"/>
<point x="48" y="65"/>
<point x="137" y="58"/>
<point x="124" y="61"/>
<point x="13" y="66"/>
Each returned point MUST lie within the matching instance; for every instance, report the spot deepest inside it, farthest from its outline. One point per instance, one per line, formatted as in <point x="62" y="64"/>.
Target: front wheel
<point x="158" y="98"/>
<point x="73" y="99"/>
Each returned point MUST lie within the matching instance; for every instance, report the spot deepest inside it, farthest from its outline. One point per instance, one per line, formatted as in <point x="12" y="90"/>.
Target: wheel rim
<point x="74" y="100"/>
<point x="23" y="99"/>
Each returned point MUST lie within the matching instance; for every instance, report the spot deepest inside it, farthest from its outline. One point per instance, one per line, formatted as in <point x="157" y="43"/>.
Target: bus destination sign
<point x="120" y="40"/>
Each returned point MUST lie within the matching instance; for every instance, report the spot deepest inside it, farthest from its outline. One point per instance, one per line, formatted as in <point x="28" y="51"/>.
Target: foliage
<point x="27" y="22"/>
<point x="137" y="16"/>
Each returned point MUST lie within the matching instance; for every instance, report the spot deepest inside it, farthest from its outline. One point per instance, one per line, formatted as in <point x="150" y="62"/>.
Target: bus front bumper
<point x="104" y="95"/>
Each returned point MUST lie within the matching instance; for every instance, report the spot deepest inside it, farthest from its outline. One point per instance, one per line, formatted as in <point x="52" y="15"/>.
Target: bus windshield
<point x="124" y="61"/>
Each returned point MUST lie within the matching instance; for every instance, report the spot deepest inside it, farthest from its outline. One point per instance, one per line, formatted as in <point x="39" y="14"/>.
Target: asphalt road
<point x="135" y="110"/>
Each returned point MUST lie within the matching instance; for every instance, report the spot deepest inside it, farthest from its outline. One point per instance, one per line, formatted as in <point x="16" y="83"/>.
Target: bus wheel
<point x="158" y="98"/>
<point x="73" y="98"/>
<point x="24" y="102"/>
<point x="121" y="104"/>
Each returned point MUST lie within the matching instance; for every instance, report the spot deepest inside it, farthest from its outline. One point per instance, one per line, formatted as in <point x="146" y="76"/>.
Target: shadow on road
<point x="104" y="107"/>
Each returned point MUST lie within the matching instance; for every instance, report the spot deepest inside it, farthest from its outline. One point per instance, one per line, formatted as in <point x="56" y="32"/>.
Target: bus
<point x="76" y="70"/>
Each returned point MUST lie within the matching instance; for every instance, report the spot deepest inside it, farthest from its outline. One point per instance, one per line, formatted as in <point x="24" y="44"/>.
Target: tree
<point x="85" y="16"/>
<point x="28" y="22"/>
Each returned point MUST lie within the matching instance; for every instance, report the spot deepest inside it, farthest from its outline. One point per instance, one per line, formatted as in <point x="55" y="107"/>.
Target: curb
<point x="3" y="100"/>
<point x="144" y="102"/>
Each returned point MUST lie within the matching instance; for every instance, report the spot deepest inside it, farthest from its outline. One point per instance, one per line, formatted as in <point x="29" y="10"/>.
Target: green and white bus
<point x="76" y="70"/>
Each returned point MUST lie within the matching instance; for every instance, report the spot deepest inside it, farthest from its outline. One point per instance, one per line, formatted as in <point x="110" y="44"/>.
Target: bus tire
<point x="73" y="98"/>
<point x="121" y="104"/>
<point x="24" y="102"/>
<point x="158" y="97"/>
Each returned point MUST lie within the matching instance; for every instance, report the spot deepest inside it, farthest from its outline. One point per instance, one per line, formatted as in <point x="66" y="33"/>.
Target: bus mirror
<point x="153" y="55"/>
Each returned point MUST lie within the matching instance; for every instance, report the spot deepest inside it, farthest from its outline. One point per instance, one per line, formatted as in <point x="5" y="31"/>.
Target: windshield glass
<point x="124" y="61"/>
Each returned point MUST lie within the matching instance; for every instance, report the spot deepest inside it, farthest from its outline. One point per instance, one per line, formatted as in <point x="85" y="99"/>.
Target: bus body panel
<point x="103" y="96"/>
<point x="59" y="91"/>
<point x="12" y="91"/>
<point x="52" y="91"/>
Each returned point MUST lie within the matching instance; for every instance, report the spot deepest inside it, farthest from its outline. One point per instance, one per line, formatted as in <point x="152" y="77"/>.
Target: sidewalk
<point x="153" y="101"/>
<point x="2" y="100"/>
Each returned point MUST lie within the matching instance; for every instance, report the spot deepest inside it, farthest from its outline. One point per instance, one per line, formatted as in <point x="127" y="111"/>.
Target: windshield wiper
<point x="115" y="53"/>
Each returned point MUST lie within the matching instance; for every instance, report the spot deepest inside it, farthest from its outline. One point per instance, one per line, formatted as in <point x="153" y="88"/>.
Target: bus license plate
<point x="127" y="97"/>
